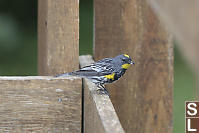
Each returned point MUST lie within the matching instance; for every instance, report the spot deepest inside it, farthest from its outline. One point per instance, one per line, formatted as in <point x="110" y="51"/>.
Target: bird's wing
<point x="99" y="68"/>
<point x="104" y="66"/>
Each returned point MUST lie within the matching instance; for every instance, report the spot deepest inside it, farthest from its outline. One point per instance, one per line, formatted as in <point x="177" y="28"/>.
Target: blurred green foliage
<point x="184" y="89"/>
<point x="18" y="49"/>
<point x="86" y="27"/>
<point x="18" y="39"/>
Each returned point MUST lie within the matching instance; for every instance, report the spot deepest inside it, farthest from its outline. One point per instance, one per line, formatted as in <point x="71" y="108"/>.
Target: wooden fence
<point x="142" y="99"/>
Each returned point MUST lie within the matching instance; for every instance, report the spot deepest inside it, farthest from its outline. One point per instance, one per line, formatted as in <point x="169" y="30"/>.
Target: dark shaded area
<point x="86" y="27"/>
<point x="18" y="35"/>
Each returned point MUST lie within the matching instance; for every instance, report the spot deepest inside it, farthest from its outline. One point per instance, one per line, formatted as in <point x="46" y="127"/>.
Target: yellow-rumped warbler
<point x="104" y="71"/>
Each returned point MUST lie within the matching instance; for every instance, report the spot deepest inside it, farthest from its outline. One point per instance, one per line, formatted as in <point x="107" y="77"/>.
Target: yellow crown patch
<point x="126" y="55"/>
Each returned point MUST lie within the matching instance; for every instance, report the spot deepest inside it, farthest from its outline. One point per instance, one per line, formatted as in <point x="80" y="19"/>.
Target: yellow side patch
<point x="111" y="76"/>
<point x="125" y="66"/>
<point x="126" y="55"/>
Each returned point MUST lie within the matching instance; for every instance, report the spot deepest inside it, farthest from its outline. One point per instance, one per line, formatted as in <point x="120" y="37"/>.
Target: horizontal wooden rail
<point x="40" y="104"/>
<point x="99" y="113"/>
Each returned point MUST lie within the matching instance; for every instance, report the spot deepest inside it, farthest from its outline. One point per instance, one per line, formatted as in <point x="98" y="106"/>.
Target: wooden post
<point x="143" y="97"/>
<point x="58" y="42"/>
<point x="58" y="36"/>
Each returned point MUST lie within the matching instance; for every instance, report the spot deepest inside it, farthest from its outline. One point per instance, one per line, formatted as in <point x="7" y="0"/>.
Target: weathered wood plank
<point x="143" y="96"/>
<point x="99" y="113"/>
<point x="58" y="36"/>
<point x="40" y="104"/>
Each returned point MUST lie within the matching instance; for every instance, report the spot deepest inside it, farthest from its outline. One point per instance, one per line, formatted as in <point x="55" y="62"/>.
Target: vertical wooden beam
<point x="143" y="96"/>
<point x="58" y="36"/>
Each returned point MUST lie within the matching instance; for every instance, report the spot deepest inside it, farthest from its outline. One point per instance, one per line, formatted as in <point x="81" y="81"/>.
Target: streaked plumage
<point x="104" y="71"/>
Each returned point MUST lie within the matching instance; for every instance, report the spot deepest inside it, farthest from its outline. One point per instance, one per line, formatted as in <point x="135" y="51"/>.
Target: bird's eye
<point x="123" y="59"/>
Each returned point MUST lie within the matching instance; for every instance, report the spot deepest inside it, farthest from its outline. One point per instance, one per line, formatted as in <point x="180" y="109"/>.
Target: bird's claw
<point x="103" y="92"/>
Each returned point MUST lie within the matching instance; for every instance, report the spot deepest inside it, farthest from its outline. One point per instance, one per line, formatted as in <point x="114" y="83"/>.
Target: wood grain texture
<point x="58" y="36"/>
<point x="143" y="97"/>
<point x="99" y="113"/>
<point x="40" y="104"/>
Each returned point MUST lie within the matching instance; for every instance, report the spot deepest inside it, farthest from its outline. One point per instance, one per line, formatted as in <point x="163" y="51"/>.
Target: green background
<point x="18" y="49"/>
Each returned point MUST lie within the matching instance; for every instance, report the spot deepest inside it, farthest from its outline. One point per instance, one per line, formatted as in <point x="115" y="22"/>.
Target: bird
<point x="104" y="71"/>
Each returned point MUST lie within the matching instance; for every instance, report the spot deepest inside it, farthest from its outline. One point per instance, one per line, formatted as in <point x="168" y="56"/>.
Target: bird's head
<point x="125" y="60"/>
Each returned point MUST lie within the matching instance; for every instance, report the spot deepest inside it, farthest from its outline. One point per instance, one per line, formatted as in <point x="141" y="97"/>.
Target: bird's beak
<point x="132" y="63"/>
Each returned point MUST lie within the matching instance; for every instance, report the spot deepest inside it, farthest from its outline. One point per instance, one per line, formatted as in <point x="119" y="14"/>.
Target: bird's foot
<point x="103" y="92"/>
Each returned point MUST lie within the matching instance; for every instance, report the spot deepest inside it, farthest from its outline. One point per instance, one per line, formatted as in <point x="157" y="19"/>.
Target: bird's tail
<point x="63" y="75"/>
<point x="79" y="73"/>
<point x="74" y="73"/>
